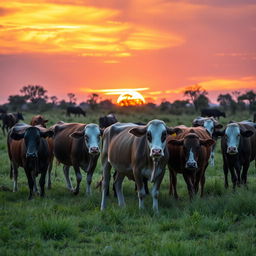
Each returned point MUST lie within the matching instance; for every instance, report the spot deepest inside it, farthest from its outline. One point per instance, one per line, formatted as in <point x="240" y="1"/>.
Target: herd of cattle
<point x="137" y="151"/>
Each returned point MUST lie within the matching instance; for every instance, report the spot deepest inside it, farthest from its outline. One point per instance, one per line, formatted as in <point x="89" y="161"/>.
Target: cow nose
<point x="156" y="152"/>
<point x="94" y="150"/>
<point x="232" y="150"/>
<point x="31" y="155"/>
<point x="191" y="164"/>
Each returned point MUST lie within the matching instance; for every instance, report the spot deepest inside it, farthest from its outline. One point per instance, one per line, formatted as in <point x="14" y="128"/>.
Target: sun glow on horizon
<point x="131" y="98"/>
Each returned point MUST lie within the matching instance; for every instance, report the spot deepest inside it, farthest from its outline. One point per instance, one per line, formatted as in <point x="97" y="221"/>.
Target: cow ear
<point x="219" y="133"/>
<point x="218" y="126"/>
<point x="247" y="133"/>
<point x="46" y="134"/>
<point x="17" y="136"/>
<point x="138" y="131"/>
<point x="77" y="135"/>
<point x="176" y="142"/>
<point x="208" y="142"/>
<point x="175" y="130"/>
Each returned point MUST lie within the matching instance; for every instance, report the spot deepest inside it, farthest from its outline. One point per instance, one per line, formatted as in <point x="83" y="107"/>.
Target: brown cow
<point x="28" y="148"/>
<point x="135" y="152"/>
<point x="9" y="120"/>
<point x="77" y="145"/>
<point x="39" y="120"/>
<point x="189" y="153"/>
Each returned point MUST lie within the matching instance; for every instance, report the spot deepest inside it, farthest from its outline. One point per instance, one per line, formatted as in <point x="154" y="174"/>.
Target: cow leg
<point x="49" y="172"/>
<point x="244" y="173"/>
<point x="30" y="183"/>
<point x="238" y="173"/>
<point x="155" y="191"/>
<point x="114" y="189"/>
<point x="173" y="184"/>
<point x="88" y="183"/>
<point x="66" y="174"/>
<point x="225" y="170"/>
<point x="78" y="179"/>
<point x="190" y="185"/>
<point x="42" y="183"/>
<point x="35" y="185"/>
<point x="15" y="177"/>
<point x="202" y="182"/>
<point x="212" y="158"/>
<point x="105" y="184"/>
<point x="233" y="177"/>
<point x="119" y="189"/>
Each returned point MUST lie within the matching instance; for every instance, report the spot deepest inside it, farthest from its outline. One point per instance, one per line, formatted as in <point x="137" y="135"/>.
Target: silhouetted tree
<point x="193" y="92"/>
<point x="34" y="93"/>
<point x="72" y="98"/>
<point x="16" y="101"/>
<point x="93" y="100"/>
<point x="106" y="104"/>
<point x="165" y="105"/>
<point x="54" y="100"/>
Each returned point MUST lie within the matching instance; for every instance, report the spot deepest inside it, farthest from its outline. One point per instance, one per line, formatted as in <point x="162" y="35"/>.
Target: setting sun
<point x="130" y="98"/>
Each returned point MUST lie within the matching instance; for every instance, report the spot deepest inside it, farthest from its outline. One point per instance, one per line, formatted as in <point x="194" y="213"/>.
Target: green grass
<point x="221" y="223"/>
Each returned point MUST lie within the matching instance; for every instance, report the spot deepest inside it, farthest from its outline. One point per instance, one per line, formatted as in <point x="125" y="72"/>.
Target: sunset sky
<point x="161" y="46"/>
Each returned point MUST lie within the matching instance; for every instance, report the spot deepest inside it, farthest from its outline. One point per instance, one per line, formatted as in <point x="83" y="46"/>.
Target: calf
<point x="189" y="153"/>
<point x="41" y="121"/>
<point x="135" y="152"/>
<point x="211" y="125"/>
<point x="38" y="120"/>
<point x="28" y="148"/>
<point x="238" y="146"/>
<point x="77" y="145"/>
<point x="9" y="120"/>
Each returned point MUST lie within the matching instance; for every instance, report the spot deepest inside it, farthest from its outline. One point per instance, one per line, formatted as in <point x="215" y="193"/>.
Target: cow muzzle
<point x="94" y="150"/>
<point x="157" y="152"/>
<point x="32" y="155"/>
<point x="191" y="165"/>
<point x="232" y="150"/>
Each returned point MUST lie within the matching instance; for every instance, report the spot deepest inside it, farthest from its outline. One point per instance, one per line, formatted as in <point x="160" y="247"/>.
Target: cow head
<point x="156" y="132"/>
<point x="91" y="135"/>
<point x="191" y="146"/>
<point x="232" y="135"/>
<point x="31" y="136"/>
<point x="39" y="120"/>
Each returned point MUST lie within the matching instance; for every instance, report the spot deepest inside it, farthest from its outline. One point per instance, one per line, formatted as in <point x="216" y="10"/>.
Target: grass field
<point x="222" y="223"/>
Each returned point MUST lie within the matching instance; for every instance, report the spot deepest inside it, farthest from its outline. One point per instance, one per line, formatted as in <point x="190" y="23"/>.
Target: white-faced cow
<point x="211" y="125"/>
<point x="238" y="146"/>
<point x="135" y="152"/>
<point x="189" y="153"/>
<point x="28" y="148"/>
<point x="77" y="145"/>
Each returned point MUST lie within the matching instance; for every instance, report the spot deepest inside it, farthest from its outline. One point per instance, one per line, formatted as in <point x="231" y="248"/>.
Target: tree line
<point x="34" y="97"/>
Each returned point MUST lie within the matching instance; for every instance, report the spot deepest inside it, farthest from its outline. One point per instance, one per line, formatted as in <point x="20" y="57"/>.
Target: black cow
<point x="9" y="120"/>
<point x="75" y="110"/>
<point x="106" y="121"/>
<point x="208" y="112"/>
<point x="28" y="148"/>
<point x="238" y="146"/>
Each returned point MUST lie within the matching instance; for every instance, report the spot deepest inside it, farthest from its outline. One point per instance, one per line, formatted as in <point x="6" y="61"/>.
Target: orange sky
<point x="85" y="46"/>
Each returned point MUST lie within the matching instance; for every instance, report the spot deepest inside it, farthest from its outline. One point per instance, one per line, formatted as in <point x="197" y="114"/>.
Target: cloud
<point x="76" y="29"/>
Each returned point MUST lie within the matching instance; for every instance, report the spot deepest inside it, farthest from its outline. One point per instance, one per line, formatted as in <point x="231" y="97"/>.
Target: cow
<point x="208" y="112"/>
<point x="9" y="120"/>
<point x="135" y="152"/>
<point x="28" y="148"/>
<point x="38" y="120"/>
<point x="77" y="145"/>
<point x="106" y="121"/>
<point x="75" y="110"/>
<point x="238" y="146"/>
<point x="211" y="125"/>
<point x="189" y="152"/>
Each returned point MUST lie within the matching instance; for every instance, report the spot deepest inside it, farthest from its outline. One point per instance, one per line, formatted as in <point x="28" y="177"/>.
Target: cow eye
<point x="149" y="136"/>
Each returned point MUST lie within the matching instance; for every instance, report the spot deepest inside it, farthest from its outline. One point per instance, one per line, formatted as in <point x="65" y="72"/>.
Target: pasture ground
<point x="221" y="223"/>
